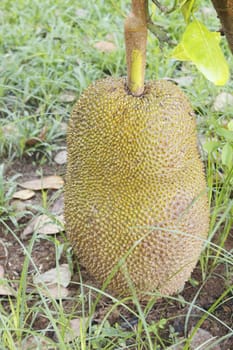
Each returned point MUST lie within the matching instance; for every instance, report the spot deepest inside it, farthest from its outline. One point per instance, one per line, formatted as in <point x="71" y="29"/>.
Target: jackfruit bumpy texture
<point x="135" y="193"/>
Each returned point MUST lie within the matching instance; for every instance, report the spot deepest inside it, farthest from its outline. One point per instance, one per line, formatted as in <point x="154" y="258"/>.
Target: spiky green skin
<point x="135" y="183"/>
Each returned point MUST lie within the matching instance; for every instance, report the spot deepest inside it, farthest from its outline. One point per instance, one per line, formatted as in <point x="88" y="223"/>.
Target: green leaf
<point x="187" y="8"/>
<point x="226" y="134"/>
<point x="230" y="125"/>
<point x="227" y="155"/>
<point x="210" y="146"/>
<point x="201" y="47"/>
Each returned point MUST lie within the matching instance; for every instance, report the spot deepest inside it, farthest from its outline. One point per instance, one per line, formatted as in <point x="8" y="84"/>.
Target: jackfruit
<point x="135" y="194"/>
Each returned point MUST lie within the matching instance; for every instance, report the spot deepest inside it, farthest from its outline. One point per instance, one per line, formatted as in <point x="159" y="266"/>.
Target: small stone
<point x="203" y="339"/>
<point x="223" y="100"/>
<point x="178" y="346"/>
<point x="61" y="157"/>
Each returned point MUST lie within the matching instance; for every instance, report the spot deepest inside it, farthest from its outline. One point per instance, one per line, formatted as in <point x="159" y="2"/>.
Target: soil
<point x="182" y="316"/>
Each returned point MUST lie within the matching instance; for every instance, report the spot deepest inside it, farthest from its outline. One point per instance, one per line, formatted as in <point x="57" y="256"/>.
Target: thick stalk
<point x="135" y="42"/>
<point x="224" y="9"/>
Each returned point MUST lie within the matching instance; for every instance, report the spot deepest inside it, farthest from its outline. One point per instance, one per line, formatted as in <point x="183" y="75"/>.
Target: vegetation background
<point x="50" y="51"/>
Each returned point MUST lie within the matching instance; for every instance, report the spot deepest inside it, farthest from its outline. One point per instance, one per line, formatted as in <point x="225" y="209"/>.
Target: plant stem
<point x="135" y="42"/>
<point x="224" y="9"/>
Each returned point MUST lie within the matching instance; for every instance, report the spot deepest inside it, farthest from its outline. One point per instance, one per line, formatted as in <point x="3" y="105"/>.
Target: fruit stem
<point x="135" y="42"/>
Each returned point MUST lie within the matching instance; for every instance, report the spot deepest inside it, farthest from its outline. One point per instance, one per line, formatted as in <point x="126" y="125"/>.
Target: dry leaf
<point x="40" y="138"/>
<point x="61" y="157"/>
<point x="5" y="289"/>
<point x="32" y="141"/>
<point x="45" y="225"/>
<point x="68" y="96"/>
<point x="21" y="206"/>
<point x="1" y="272"/>
<point x="55" y="291"/>
<point x="36" y="344"/>
<point x="29" y="228"/>
<point x="60" y="275"/>
<point x="24" y="194"/>
<point x="105" y="46"/>
<point x="49" y="182"/>
<point x="223" y="100"/>
<point x="58" y="206"/>
<point x="56" y="281"/>
<point x="74" y="329"/>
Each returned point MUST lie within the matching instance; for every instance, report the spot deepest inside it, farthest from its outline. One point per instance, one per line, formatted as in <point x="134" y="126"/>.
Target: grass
<point x="47" y="53"/>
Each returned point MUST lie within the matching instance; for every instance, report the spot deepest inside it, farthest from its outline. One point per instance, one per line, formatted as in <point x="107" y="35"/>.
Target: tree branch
<point x="224" y="9"/>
